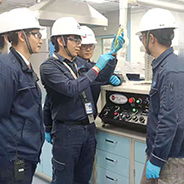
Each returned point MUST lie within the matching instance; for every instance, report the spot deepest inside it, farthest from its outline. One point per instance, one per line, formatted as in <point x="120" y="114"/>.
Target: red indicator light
<point x="131" y="100"/>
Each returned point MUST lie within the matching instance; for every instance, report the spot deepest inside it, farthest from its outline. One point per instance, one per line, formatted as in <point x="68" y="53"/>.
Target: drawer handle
<point x="111" y="160"/>
<point x="110" y="141"/>
<point x="109" y="178"/>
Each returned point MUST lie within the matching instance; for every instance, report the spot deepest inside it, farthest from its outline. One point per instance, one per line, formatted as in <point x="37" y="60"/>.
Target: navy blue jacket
<point x="64" y="92"/>
<point x="165" y="126"/>
<point x="21" y="120"/>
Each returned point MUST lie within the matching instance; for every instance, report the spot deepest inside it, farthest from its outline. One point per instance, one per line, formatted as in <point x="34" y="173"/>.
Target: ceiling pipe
<point x="159" y="4"/>
<point x="123" y="12"/>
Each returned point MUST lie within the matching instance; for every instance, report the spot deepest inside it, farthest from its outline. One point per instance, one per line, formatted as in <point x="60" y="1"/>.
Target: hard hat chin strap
<point x="66" y="48"/>
<point x="27" y="42"/>
<point x="147" y="43"/>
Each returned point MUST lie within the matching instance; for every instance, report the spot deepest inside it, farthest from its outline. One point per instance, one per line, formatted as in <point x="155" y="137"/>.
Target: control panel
<point x="125" y="109"/>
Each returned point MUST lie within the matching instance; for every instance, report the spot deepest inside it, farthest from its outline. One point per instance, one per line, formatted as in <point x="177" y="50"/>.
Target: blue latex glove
<point x="48" y="137"/>
<point x="103" y="59"/>
<point x="114" y="80"/>
<point x="120" y="43"/>
<point x="152" y="171"/>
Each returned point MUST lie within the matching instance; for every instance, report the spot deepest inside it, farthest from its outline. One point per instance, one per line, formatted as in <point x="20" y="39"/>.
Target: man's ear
<point x="60" y="43"/>
<point x="152" y="39"/>
<point x="6" y="38"/>
<point x="21" y="36"/>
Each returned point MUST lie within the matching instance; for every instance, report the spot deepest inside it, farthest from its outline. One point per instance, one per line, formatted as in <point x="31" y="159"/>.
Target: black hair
<point x="164" y="36"/>
<point x="2" y="42"/>
<point x="55" y="42"/>
<point x="13" y="36"/>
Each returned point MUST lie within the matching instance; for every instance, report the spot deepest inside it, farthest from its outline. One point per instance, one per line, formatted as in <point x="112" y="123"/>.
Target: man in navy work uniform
<point x="84" y="55"/>
<point x="21" y="124"/>
<point x="165" y="125"/>
<point x="72" y="106"/>
<point x="3" y="30"/>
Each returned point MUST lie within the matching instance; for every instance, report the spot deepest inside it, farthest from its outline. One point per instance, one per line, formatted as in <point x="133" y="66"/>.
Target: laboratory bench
<point x="120" y="156"/>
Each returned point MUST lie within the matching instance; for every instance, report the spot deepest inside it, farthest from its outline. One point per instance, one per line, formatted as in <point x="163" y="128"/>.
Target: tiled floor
<point x="37" y="180"/>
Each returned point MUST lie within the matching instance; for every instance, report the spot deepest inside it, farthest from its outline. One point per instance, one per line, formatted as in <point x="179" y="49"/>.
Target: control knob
<point x="134" y="118"/>
<point x="116" y="115"/>
<point x="141" y="119"/>
<point x="146" y="102"/>
<point x="106" y="111"/>
<point x="128" y="117"/>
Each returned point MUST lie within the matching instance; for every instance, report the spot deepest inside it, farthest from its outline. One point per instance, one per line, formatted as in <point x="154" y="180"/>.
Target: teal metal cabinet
<point x="45" y="165"/>
<point x="113" y="153"/>
<point x="40" y="165"/>
<point x="119" y="159"/>
<point x="114" y="144"/>
<point x="47" y="156"/>
<point x="107" y="177"/>
<point x="140" y="157"/>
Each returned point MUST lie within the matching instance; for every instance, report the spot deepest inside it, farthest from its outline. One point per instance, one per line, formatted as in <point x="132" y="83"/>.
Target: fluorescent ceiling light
<point x="98" y="1"/>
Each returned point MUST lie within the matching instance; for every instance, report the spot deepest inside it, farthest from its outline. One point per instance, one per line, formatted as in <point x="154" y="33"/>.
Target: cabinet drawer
<point x="113" y="144"/>
<point x="138" y="172"/>
<point x="107" y="177"/>
<point x="46" y="156"/>
<point x="140" y="155"/>
<point x="114" y="163"/>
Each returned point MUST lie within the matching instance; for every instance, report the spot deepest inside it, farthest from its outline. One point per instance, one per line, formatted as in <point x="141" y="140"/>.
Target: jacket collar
<point x="19" y="59"/>
<point x="160" y="59"/>
<point x="63" y="59"/>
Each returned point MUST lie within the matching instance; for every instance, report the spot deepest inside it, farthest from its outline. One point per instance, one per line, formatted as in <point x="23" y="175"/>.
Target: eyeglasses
<point x="37" y="35"/>
<point x="76" y="40"/>
<point x="87" y="46"/>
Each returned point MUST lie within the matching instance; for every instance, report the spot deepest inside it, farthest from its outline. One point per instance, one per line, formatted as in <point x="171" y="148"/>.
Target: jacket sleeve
<point x="8" y="88"/>
<point x="167" y="119"/>
<point x="105" y="74"/>
<point x="47" y="115"/>
<point x="53" y="77"/>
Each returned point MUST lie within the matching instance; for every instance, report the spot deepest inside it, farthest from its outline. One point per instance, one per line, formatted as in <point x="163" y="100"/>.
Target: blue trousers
<point x="74" y="148"/>
<point x="7" y="173"/>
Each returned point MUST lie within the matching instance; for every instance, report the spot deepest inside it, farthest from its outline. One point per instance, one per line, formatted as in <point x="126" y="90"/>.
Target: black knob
<point x="141" y="119"/>
<point x="116" y="115"/>
<point x="106" y="111"/>
<point x="122" y="116"/>
<point x="128" y="116"/>
<point x="146" y="102"/>
<point x="134" y="118"/>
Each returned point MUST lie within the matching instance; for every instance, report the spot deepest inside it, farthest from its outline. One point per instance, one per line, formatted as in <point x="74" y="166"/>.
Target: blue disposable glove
<point x="114" y="80"/>
<point x="152" y="171"/>
<point x="48" y="137"/>
<point x="120" y="43"/>
<point x="103" y="59"/>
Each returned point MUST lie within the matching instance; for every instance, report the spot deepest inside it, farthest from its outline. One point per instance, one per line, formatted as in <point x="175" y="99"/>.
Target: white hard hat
<point x="66" y="26"/>
<point x="157" y="18"/>
<point x="88" y="36"/>
<point x="22" y="18"/>
<point x="3" y="22"/>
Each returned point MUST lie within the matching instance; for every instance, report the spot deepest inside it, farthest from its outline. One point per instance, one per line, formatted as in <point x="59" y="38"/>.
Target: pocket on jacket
<point x="58" y="165"/>
<point x="168" y="101"/>
<point x="31" y="135"/>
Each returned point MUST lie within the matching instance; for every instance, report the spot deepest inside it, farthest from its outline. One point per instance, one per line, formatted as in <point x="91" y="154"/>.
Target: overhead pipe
<point x="123" y="12"/>
<point x="159" y="4"/>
